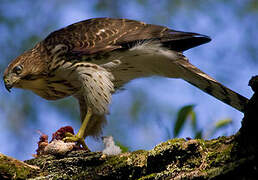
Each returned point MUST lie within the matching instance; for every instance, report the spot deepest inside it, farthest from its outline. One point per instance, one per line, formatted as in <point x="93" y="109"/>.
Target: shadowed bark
<point x="233" y="157"/>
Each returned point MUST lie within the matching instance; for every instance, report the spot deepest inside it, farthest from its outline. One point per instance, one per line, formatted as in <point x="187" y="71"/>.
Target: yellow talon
<point x="79" y="136"/>
<point x="74" y="138"/>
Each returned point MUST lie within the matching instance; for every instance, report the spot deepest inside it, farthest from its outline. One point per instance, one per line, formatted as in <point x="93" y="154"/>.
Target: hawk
<point x="91" y="59"/>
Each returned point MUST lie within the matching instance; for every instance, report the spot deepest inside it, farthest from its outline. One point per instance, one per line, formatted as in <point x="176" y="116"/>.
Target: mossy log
<point x="233" y="157"/>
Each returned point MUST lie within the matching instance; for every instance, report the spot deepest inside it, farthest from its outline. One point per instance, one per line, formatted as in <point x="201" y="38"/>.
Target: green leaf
<point x="194" y="121"/>
<point x="135" y="109"/>
<point x="222" y="123"/>
<point x="198" y="135"/>
<point x="182" y="116"/>
<point x="122" y="147"/>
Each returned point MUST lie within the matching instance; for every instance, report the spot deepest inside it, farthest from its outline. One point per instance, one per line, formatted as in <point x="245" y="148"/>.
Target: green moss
<point x="150" y="176"/>
<point x="219" y="152"/>
<point x="170" y="144"/>
<point x="139" y="158"/>
<point x="174" y="158"/>
<point x="14" y="169"/>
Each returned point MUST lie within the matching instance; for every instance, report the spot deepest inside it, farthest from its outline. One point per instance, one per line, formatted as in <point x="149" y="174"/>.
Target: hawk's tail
<point x="209" y="85"/>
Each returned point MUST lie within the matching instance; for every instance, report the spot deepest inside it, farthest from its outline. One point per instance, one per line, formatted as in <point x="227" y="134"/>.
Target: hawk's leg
<point x="94" y="94"/>
<point x="79" y="137"/>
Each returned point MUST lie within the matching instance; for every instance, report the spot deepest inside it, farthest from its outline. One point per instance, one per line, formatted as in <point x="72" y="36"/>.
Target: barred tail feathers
<point x="209" y="85"/>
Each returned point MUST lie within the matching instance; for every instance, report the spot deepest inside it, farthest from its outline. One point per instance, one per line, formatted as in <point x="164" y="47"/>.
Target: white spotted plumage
<point x="96" y="87"/>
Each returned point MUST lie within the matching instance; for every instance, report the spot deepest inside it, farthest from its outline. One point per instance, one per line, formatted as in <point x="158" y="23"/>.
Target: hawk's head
<point x="23" y="70"/>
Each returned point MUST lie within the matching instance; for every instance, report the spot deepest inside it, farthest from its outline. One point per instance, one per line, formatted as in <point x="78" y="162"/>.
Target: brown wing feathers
<point x="98" y="35"/>
<point x="105" y="34"/>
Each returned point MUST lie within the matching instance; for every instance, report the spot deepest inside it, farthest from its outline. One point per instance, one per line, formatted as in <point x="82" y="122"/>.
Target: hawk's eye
<point x="17" y="69"/>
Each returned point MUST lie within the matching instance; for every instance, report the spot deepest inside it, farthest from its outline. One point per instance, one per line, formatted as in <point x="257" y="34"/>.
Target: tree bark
<point x="233" y="157"/>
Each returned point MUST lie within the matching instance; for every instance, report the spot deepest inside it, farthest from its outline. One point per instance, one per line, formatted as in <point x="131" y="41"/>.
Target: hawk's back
<point x="107" y="34"/>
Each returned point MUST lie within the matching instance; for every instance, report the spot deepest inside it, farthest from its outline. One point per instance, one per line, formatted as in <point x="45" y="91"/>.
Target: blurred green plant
<point x="183" y="115"/>
<point x="187" y="113"/>
<point x="219" y="125"/>
<point x="122" y="147"/>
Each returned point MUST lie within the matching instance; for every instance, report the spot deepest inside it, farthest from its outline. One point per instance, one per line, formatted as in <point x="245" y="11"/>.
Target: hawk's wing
<point x="91" y="39"/>
<point x="107" y="34"/>
<point x="95" y="36"/>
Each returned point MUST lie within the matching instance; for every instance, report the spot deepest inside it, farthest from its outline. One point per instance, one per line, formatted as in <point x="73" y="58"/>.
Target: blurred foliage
<point x="122" y="147"/>
<point x="139" y="98"/>
<point x="251" y="6"/>
<point x="183" y="114"/>
<point x="186" y="113"/>
<point x="221" y="124"/>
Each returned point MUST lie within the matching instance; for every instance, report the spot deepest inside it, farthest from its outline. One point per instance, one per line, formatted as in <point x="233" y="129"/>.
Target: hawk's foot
<point x="79" y="137"/>
<point x="69" y="137"/>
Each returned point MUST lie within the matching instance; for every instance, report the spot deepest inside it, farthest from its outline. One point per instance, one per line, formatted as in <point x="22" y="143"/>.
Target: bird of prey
<point x="91" y="59"/>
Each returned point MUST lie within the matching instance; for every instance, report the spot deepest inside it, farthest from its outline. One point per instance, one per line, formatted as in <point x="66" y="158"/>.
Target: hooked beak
<point x="7" y="84"/>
